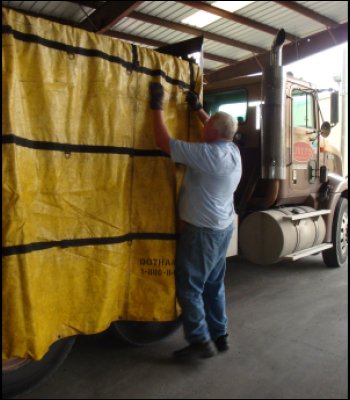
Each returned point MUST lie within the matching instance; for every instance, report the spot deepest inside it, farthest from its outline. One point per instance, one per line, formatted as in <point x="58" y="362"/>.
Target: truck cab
<point x="309" y="156"/>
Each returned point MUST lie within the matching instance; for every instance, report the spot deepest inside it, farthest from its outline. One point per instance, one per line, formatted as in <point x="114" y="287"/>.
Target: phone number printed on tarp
<point x="157" y="272"/>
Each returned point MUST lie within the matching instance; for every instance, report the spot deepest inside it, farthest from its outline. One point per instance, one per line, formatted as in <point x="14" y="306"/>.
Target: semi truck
<point x="291" y="201"/>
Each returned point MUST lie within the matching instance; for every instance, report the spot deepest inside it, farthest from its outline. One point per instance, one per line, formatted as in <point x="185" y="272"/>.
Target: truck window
<point x="234" y="102"/>
<point x="303" y="109"/>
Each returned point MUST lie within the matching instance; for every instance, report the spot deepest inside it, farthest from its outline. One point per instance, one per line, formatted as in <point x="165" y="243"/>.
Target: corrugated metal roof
<point x="270" y="13"/>
<point x="336" y="10"/>
<point x="59" y="9"/>
<point x="147" y="30"/>
<point x="170" y="10"/>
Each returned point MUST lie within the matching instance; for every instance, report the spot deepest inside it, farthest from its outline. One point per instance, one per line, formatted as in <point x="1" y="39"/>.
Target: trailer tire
<point x="140" y="333"/>
<point x="337" y="256"/>
<point x="32" y="373"/>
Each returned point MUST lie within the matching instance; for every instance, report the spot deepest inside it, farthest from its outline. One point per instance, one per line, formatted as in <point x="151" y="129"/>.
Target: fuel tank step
<point x="308" y="252"/>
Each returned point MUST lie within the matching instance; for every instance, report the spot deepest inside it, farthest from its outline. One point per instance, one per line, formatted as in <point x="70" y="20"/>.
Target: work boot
<point x="196" y="350"/>
<point x="221" y="343"/>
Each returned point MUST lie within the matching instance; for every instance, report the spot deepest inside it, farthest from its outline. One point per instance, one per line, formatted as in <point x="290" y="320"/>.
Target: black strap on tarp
<point x="80" y="148"/>
<point x="134" y="65"/>
<point x="192" y="80"/>
<point x="36" y="246"/>
<point x="135" y="58"/>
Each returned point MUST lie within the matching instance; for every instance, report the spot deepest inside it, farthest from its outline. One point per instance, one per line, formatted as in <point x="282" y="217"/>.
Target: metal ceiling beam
<point x="200" y="5"/>
<point x="157" y="43"/>
<point x="194" y="31"/>
<point x="107" y="15"/>
<point x="291" y="52"/>
<point x="220" y="59"/>
<point x="306" y="12"/>
<point x="133" y="38"/>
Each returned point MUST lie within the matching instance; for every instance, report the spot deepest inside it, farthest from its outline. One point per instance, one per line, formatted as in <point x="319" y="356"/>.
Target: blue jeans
<point x="199" y="273"/>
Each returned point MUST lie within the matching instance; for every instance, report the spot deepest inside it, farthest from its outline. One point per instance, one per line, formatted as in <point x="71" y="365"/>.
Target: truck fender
<point x="335" y="188"/>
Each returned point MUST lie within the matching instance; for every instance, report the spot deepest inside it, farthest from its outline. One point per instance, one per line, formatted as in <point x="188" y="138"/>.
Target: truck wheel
<point x="140" y="333"/>
<point x="20" y="375"/>
<point x="337" y="256"/>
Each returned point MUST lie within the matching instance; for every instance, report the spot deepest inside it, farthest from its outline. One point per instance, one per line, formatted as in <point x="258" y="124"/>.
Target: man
<point x="206" y="207"/>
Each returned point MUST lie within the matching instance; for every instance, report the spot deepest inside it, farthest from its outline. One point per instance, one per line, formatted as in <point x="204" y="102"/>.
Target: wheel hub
<point x="344" y="233"/>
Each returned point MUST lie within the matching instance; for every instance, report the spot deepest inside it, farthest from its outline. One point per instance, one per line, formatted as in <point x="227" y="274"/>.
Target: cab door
<point x="304" y="143"/>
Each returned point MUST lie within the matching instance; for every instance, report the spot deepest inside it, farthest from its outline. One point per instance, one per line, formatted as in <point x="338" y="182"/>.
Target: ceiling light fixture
<point x="203" y="18"/>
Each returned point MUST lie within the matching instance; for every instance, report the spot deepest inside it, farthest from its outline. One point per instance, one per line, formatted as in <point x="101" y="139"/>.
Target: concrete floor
<point x="289" y="336"/>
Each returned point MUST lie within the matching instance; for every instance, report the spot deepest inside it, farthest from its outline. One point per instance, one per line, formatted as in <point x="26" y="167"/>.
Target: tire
<point x="140" y="333"/>
<point x="337" y="256"/>
<point x="24" y="375"/>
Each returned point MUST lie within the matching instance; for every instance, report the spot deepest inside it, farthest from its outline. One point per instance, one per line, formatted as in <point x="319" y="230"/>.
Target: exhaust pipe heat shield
<point x="273" y="135"/>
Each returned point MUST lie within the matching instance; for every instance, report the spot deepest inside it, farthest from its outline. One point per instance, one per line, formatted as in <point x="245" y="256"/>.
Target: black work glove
<point x="157" y="95"/>
<point x="193" y="101"/>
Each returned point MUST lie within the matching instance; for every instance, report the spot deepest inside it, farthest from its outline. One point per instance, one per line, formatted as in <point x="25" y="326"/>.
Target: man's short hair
<point x="225" y="124"/>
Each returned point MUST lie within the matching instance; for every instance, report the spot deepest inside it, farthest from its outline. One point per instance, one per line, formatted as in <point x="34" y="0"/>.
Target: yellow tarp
<point x="88" y="200"/>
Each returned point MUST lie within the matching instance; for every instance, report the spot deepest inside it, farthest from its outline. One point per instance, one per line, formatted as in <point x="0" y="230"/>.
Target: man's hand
<point x="157" y="95"/>
<point x="193" y="101"/>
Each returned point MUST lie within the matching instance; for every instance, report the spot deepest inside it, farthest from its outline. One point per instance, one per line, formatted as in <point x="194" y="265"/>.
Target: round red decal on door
<point x="302" y="152"/>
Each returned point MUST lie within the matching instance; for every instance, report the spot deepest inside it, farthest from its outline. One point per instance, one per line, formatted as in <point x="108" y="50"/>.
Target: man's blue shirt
<point x="212" y="175"/>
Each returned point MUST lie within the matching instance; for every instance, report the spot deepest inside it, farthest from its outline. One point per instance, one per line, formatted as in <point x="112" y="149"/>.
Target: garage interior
<point x="288" y="321"/>
<point x="236" y="44"/>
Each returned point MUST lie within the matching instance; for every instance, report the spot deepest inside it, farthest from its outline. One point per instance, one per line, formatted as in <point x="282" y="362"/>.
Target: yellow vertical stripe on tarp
<point x="64" y="86"/>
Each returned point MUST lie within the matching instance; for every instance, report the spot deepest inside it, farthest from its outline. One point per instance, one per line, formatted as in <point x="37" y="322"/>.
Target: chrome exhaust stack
<point x="273" y="165"/>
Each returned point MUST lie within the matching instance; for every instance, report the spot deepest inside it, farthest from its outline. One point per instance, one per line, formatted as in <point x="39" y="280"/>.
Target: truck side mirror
<point x="325" y="129"/>
<point x="334" y="108"/>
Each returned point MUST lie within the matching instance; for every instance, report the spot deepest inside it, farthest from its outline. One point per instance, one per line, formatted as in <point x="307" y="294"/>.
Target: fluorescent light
<point x="203" y="18"/>
<point x="200" y="19"/>
<point x="231" y="5"/>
